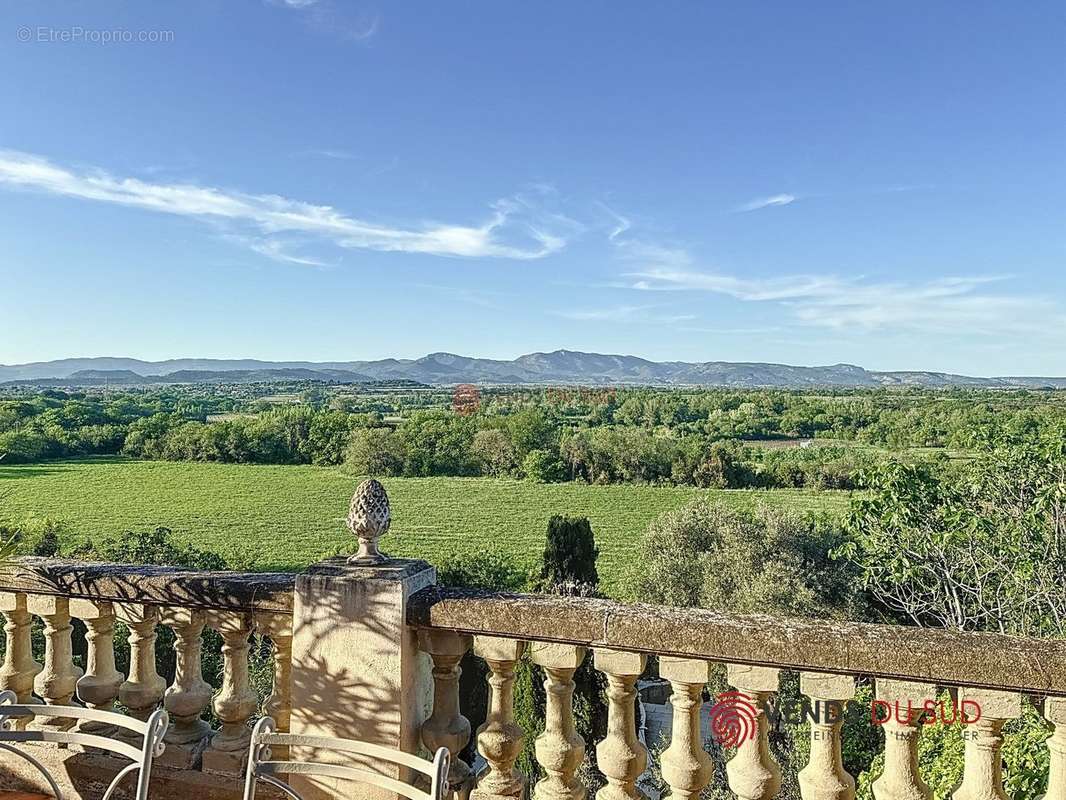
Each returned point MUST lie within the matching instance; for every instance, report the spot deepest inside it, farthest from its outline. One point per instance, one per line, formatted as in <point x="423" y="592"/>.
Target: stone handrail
<point x="137" y="583"/>
<point x="950" y="658"/>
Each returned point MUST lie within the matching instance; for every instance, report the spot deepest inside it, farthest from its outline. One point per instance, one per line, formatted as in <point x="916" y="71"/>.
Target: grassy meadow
<point x="265" y="517"/>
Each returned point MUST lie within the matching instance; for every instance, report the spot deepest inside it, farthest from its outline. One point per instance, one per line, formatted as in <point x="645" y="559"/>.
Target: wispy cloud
<point x="782" y="199"/>
<point x="348" y="20"/>
<point x="517" y="227"/>
<point x="962" y="304"/>
<point x="277" y="250"/>
<point x="754" y="331"/>
<point x="790" y="287"/>
<point x="619" y="224"/>
<point x="971" y="305"/>
<point x="646" y="314"/>
<point x="328" y="152"/>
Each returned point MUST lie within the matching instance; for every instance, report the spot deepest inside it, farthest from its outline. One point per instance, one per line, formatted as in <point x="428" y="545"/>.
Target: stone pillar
<point x="19" y="668"/>
<point x="560" y="749"/>
<point x="904" y="699"/>
<point x="824" y="777"/>
<point x="686" y="767"/>
<point x="446" y="726"/>
<point x="1055" y="713"/>
<point x="187" y="698"/>
<point x="98" y="687"/>
<point x="57" y="681"/>
<point x="982" y="777"/>
<point x="621" y="756"/>
<point x="499" y="739"/>
<point x="357" y="672"/>
<point x="753" y="773"/>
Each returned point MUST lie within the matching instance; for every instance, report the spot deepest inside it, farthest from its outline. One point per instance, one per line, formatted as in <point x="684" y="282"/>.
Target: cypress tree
<point x="569" y="555"/>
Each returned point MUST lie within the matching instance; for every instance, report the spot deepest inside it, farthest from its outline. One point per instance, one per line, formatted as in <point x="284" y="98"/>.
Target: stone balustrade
<point x="371" y="648"/>
<point x="142" y="600"/>
<point x="906" y="666"/>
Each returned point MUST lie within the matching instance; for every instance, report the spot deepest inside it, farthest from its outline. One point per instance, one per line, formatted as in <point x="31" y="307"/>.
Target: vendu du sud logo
<point x="734" y="717"/>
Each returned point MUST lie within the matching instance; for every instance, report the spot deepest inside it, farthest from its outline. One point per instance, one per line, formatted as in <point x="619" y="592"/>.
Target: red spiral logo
<point x="734" y="719"/>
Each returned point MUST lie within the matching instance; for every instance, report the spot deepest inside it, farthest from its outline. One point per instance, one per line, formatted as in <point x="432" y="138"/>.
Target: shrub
<point x="491" y="571"/>
<point x="541" y="466"/>
<point x="33" y="536"/>
<point x="154" y="547"/>
<point x="761" y="560"/>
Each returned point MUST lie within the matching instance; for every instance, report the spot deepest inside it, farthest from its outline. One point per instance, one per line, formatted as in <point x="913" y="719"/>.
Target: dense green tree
<point x="494" y="451"/>
<point x="438" y="443"/>
<point x="376" y="452"/>
<point x="542" y="466"/>
<point x="982" y="550"/>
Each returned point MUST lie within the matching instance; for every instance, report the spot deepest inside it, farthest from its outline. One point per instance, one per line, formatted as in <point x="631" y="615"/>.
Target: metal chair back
<point x="150" y="734"/>
<point x="262" y="767"/>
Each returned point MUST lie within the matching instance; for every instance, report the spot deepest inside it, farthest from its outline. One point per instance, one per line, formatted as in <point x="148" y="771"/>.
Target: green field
<point x="285" y="517"/>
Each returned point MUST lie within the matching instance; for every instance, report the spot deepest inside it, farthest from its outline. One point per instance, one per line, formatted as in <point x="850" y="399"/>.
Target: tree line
<point x="705" y="438"/>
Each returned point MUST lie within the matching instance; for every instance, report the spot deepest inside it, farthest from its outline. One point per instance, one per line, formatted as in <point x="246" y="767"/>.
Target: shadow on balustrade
<point x="161" y="586"/>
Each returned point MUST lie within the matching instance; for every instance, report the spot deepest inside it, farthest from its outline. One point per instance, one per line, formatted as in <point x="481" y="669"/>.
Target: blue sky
<point x="809" y="183"/>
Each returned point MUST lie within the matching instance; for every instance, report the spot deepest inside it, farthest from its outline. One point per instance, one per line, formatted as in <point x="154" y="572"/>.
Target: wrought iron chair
<point x="260" y="765"/>
<point x="150" y="732"/>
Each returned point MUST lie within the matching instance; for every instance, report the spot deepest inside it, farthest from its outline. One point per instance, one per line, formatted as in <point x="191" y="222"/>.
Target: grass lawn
<point x="285" y="517"/>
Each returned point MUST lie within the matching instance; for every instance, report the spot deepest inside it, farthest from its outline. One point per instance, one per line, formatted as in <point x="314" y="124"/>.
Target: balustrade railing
<point x="906" y="666"/>
<point x="144" y="599"/>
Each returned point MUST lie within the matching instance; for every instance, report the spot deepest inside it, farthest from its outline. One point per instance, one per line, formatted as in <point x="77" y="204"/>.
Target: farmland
<point x="284" y="517"/>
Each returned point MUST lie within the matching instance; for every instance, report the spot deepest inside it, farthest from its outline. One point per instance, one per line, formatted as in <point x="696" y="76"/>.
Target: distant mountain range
<point x="559" y="367"/>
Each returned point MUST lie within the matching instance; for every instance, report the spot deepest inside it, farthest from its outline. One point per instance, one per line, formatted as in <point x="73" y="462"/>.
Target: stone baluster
<point x="753" y="773"/>
<point x="686" y="767"/>
<point x="824" y="777"/>
<point x="98" y="687"/>
<point x="903" y="703"/>
<point x="142" y="690"/>
<point x="188" y="697"/>
<point x="19" y="668"/>
<point x="446" y="726"/>
<point x="560" y="749"/>
<point x="236" y="701"/>
<point x="621" y="756"/>
<point x="58" y="680"/>
<point x="982" y="775"/>
<point x="278" y="703"/>
<point x="499" y="739"/>
<point x="1055" y="713"/>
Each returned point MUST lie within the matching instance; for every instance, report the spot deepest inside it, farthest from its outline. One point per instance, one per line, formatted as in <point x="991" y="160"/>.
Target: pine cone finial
<point x="368" y="519"/>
